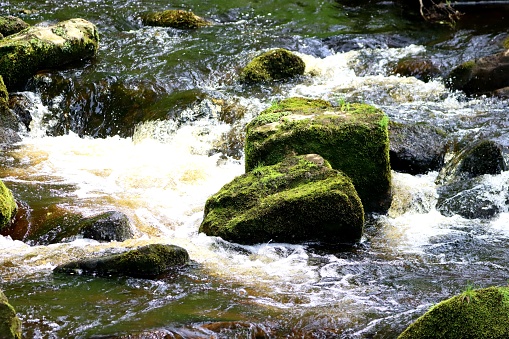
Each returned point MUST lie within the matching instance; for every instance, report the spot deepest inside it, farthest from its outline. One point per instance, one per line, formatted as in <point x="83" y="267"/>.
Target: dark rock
<point x="416" y="148"/>
<point x="276" y="64"/>
<point x="11" y="25"/>
<point x="419" y="68"/>
<point x="20" y="106"/>
<point x="149" y="261"/>
<point x="108" y="226"/>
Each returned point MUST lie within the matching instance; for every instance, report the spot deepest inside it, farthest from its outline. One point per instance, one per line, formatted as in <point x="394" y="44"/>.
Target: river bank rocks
<point x="36" y="48"/>
<point x="298" y="199"/>
<point x="480" y="313"/>
<point x="353" y="138"/>
<point x="275" y="64"/>
<point x="10" y="324"/>
<point x="150" y="261"/>
<point x="8" y="206"/>
<point x="11" y="25"/>
<point x="174" y="18"/>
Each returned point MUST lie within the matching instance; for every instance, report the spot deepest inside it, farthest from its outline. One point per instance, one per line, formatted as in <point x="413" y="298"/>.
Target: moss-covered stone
<point x="10" y="324"/>
<point x="353" y="138"/>
<point x="10" y="25"/>
<point x="145" y="262"/>
<point x="36" y="48"/>
<point x="8" y="206"/>
<point x="273" y="65"/>
<point x="299" y="199"/>
<point x="481" y="313"/>
<point x="174" y="18"/>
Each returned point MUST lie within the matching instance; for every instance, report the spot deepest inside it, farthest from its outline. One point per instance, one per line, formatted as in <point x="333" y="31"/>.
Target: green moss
<point x="10" y="324"/>
<point x="8" y="207"/>
<point x="273" y="65"/>
<point x="174" y="18"/>
<point x="473" y="314"/>
<point x="461" y="75"/>
<point x="298" y="199"/>
<point x="4" y="95"/>
<point x="354" y="140"/>
<point x="11" y="25"/>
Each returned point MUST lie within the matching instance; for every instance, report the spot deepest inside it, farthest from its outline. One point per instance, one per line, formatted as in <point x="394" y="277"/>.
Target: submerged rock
<point x="108" y="226"/>
<point x="8" y="206"/>
<point x="273" y="65"/>
<point x="299" y="199"/>
<point x="478" y="313"/>
<point x="353" y="138"/>
<point x="10" y="25"/>
<point x="422" y="69"/>
<point x="10" y="324"/>
<point x="36" y="48"/>
<point x="148" y="261"/>
<point x="174" y="18"/>
<point x="416" y="148"/>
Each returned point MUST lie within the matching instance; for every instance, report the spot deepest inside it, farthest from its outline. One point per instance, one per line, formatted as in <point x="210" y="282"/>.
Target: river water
<point x="153" y="126"/>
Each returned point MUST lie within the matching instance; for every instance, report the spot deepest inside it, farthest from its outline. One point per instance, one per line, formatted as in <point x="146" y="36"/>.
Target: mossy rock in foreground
<point x="8" y="206"/>
<point x="299" y="199"/>
<point x="353" y="138"/>
<point x="36" y="48"/>
<point x="474" y="314"/>
<point x="10" y="324"/>
<point x="148" y="261"/>
<point x="273" y="65"/>
<point x="175" y="18"/>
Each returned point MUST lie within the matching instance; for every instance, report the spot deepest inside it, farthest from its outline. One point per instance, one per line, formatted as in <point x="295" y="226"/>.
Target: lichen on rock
<point x="275" y="64"/>
<point x="174" y="18"/>
<point x="299" y="199"/>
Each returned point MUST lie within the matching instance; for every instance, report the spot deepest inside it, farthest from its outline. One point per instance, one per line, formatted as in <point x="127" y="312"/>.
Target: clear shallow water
<point x="91" y="149"/>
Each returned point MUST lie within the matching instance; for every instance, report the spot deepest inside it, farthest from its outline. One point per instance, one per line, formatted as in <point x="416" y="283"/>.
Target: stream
<point x="153" y="126"/>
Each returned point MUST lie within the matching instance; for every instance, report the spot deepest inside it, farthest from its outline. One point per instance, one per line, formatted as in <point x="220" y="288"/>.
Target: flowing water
<point x="153" y="126"/>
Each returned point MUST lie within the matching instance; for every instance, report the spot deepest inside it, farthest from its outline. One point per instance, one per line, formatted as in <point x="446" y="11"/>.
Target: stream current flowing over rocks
<point x="154" y="125"/>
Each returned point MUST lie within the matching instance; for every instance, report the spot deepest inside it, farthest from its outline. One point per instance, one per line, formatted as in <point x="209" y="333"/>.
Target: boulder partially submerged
<point x="275" y="64"/>
<point x="10" y="324"/>
<point x="148" y="261"/>
<point x="36" y="48"/>
<point x="174" y="18"/>
<point x="299" y="199"/>
<point x="353" y="138"/>
<point x="478" y="313"/>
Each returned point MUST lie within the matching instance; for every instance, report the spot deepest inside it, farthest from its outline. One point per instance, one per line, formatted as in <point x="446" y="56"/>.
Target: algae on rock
<point x="353" y="138"/>
<point x="175" y="18"/>
<point x="8" y="206"/>
<point x="299" y="199"/>
<point x="36" y="48"/>
<point x="10" y="324"/>
<point x="273" y="65"/>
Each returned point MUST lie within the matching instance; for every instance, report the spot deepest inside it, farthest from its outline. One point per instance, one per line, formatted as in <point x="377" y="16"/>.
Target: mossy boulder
<point x="353" y="138"/>
<point x="174" y="18"/>
<point x="8" y="206"/>
<point x="481" y="76"/>
<point x="10" y="324"/>
<point x="299" y="199"/>
<point x="10" y="25"/>
<point x="276" y="64"/>
<point x="36" y="48"/>
<point x="481" y="313"/>
<point x="150" y="261"/>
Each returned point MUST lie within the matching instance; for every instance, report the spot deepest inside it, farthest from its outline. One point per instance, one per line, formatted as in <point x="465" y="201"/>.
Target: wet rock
<point x="10" y="324"/>
<point x="10" y="25"/>
<point x="482" y="157"/>
<point x="416" y="148"/>
<point x="174" y="18"/>
<point x="8" y="206"/>
<point x="419" y="68"/>
<point x="299" y="199"/>
<point x="481" y="76"/>
<point x="20" y="106"/>
<point x="57" y="225"/>
<point x="353" y="138"/>
<point x="276" y="64"/>
<point x="471" y="199"/>
<point x="8" y="121"/>
<point x="36" y="48"/>
<point x="475" y="313"/>
<point x="149" y="261"/>
<point x="108" y="226"/>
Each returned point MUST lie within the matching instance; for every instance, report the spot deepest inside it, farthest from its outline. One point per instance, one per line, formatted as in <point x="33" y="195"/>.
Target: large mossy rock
<point x="36" y="48"/>
<point x="10" y="324"/>
<point x="8" y="206"/>
<point x="473" y="314"/>
<point x="276" y="64"/>
<point x="483" y="75"/>
<point x="299" y="199"/>
<point x="353" y="138"/>
<point x="148" y="261"/>
<point x="10" y="25"/>
<point x="174" y="18"/>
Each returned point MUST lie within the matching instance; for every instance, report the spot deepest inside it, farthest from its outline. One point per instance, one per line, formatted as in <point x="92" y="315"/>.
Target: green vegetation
<point x="8" y="206"/>
<point x="10" y="324"/>
<point x="174" y="18"/>
<point x="273" y="65"/>
<point x="481" y="313"/>
<point x="298" y="199"/>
